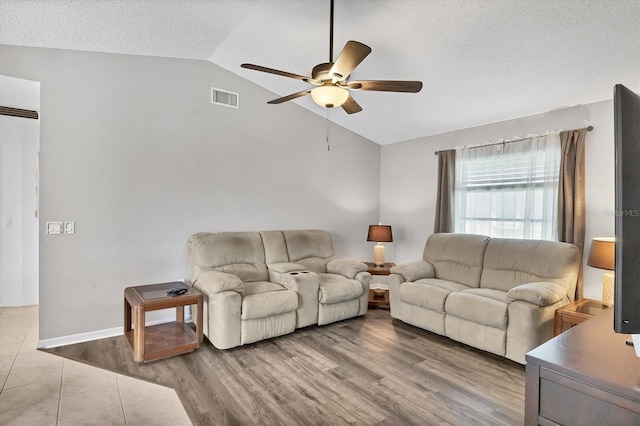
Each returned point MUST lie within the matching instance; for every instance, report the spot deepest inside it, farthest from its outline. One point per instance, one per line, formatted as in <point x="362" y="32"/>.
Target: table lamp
<point x="602" y="255"/>
<point x="380" y="234"/>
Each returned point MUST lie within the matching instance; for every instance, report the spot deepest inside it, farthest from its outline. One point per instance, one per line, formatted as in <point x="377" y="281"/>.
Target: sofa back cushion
<point x="511" y="262"/>
<point x="275" y="247"/>
<point x="311" y="248"/>
<point x="457" y="257"/>
<point x="238" y="253"/>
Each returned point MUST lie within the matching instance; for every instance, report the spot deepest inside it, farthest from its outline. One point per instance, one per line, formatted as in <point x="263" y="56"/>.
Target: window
<point x="509" y="190"/>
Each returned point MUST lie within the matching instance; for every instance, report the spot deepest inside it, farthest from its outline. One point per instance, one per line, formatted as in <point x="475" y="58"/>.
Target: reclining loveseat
<point x="259" y="285"/>
<point x="495" y="294"/>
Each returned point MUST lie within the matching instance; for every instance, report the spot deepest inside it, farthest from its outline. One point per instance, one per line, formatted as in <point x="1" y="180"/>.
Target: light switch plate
<point x="69" y="227"/>
<point x="54" y="228"/>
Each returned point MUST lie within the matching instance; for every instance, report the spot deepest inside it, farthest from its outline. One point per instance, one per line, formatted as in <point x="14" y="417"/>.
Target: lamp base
<point x="378" y="254"/>
<point x="608" y="285"/>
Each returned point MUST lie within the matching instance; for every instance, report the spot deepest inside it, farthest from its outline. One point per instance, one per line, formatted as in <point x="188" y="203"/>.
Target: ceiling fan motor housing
<point x="321" y="72"/>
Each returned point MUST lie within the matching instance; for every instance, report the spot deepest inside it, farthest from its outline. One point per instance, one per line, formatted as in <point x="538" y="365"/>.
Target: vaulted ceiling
<point x="481" y="61"/>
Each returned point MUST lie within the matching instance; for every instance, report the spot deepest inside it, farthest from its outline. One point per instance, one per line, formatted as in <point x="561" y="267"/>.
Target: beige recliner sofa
<point x="495" y="294"/>
<point x="259" y="285"/>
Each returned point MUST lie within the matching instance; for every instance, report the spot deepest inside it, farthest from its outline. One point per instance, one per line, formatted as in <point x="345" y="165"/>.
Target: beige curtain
<point x="446" y="183"/>
<point x="571" y="202"/>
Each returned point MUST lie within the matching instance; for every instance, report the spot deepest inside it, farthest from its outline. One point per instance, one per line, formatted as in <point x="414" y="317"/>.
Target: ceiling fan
<point x="332" y="78"/>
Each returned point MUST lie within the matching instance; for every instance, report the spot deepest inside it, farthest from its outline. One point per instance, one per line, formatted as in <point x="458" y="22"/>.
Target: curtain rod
<point x="589" y="128"/>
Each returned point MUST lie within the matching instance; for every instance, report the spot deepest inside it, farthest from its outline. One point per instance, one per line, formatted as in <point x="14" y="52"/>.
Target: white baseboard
<point x="95" y="335"/>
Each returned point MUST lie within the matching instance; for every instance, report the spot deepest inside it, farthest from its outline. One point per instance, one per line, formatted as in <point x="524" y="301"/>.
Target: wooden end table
<point x="379" y="301"/>
<point x="379" y="270"/>
<point x="162" y="340"/>
<point x="576" y="312"/>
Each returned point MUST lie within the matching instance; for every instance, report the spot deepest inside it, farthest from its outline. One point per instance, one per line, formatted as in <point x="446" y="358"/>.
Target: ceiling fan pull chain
<point x="328" y="129"/>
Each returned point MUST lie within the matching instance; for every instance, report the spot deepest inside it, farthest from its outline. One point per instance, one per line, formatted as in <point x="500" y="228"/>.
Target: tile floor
<point x="37" y="388"/>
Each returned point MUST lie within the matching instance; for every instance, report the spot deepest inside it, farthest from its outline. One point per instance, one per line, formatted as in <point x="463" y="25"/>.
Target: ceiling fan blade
<point x="290" y="97"/>
<point x="278" y="72"/>
<point x="386" y="85"/>
<point x="351" y="106"/>
<point x="352" y="54"/>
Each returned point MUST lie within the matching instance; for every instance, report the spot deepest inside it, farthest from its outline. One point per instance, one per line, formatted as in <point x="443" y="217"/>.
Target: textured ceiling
<point x="481" y="61"/>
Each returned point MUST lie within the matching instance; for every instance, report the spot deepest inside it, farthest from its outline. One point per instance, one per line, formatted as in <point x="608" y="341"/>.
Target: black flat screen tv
<point x="626" y="109"/>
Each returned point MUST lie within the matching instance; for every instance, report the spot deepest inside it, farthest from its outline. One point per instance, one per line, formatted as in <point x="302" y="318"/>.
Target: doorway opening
<point x="19" y="191"/>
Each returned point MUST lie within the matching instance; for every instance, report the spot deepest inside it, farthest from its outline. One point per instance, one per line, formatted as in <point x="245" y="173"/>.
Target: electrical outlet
<point x="69" y="227"/>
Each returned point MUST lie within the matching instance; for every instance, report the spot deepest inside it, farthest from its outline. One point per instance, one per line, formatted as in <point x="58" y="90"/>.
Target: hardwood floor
<point x="370" y="370"/>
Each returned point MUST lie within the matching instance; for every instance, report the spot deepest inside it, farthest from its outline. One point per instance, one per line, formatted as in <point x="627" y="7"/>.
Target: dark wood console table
<point x="585" y="376"/>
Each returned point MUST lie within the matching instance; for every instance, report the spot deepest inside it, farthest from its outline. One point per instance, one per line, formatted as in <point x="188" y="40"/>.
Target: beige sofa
<point x="259" y="285"/>
<point x="498" y="295"/>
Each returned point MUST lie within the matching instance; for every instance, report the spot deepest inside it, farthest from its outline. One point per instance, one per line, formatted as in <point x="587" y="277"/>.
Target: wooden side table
<point x="379" y="301"/>
<point x="162" y="340"/>
<point x="379" y="270"/>
<point x="576" y="312"/>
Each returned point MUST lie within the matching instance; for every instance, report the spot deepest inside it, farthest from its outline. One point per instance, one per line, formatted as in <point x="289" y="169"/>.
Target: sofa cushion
<point x="314" y="264"/>
<point x="346" y="267"/>
<point x="303" y="244"/>
<point x="429" y="293"/>
<point x="237" y="253"/>
<point x="456" y="257"/>
<point x="498" y="295"/>
<point x="510" y="262"/>
<point x="268" y="303"/>
<point x="261" y="287"/>
<point x="336" y="288"/>
<point x="311" y="248"/>
<point x="275" y="247"/>
<point x="482" y="306"/>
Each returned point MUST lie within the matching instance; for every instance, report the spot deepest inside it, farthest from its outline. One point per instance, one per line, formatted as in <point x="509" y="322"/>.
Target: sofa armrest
<point x="285" y="267"/>
<point x="364" y="278"/>
<point x="540" y="293"/>
<point x="212" y="282"/>
<point x="346" y="267"/>
<point x="413" y="271"/>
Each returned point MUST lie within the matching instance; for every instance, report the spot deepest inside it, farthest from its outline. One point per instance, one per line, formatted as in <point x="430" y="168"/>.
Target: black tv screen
<point x="626" y="108"/>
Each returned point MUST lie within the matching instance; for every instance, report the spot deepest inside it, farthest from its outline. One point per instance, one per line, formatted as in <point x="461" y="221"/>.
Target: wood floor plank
<point x="371" y="370"/>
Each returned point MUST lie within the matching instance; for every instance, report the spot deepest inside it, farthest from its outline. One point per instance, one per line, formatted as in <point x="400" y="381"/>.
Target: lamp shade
<point x="329" y="96"/>
<point x="602" y="253"/>
<point x="380" y="233"/>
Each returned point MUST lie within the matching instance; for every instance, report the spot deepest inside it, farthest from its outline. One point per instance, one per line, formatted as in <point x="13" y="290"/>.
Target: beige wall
<point x="409" y="174"/>
<point x="133" y="151"/>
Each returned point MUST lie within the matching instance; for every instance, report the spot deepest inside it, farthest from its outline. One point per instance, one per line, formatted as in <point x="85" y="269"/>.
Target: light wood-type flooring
<point x="369" y="370"/>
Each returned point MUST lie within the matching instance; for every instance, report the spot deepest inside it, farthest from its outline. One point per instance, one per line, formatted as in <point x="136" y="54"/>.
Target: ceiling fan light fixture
<point x="332" y="77"/>
<point x="330" y="96"/>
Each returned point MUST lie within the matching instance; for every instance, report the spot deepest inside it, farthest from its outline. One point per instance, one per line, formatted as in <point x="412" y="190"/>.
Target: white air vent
<point x="225" y="98"/>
